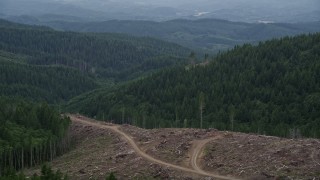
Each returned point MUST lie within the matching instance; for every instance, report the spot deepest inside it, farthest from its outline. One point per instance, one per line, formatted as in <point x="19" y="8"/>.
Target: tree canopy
<point x="272" y="88"/>
<point x="30" y="134"/>
<point x="113" y="56"/>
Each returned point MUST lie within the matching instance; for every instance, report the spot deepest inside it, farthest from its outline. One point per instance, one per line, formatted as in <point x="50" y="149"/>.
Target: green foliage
<point x="29" y="134"/>
<point x="41" y="64"/>
<point x="46" y="174"/>
<point x="111" y="177"/>
<point x="269" y="89"/>
<point x="110" y="56"/>
<point x="41" y="83"/>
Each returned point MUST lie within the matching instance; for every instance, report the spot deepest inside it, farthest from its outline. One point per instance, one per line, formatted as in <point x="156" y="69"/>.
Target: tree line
<point x="272" y="88"/>
<point x="30" y="134"/>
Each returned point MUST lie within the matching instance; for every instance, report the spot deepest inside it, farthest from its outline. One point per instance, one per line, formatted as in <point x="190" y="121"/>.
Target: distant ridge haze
<point x="208" y="35"/>
<point x="160" y="10"/>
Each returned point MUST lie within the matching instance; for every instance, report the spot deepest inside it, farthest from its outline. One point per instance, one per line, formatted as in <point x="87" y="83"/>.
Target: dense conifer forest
<point x="272" y="88"/>
<point x="30" y="134"/>
<point x="41" y="64"/>
<point x="110" y="56"/>
<point x="38" y="64"/>
<point x="52" y="84"/>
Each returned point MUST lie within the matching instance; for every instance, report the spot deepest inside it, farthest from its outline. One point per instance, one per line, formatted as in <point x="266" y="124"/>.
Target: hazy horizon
<point x="160" y="10"/>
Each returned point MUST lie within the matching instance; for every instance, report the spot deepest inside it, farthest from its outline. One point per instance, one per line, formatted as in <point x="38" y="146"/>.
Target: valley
<point x="159" y="89"/>
<point x="39" y="63"/>
<point x="271" y="89"/>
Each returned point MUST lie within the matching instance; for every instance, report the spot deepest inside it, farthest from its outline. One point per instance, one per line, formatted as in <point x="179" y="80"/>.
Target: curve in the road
<point x="196" y="169"/>
<point x="196" y="150"/>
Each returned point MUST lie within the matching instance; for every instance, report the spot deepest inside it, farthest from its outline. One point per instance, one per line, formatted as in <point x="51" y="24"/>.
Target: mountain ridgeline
<point x="208" y="35"/>
<point x="272" y="88"/>
<point x="107" y="55"/>
<point x="41" y="64"/>
<point x="155" y="10"/>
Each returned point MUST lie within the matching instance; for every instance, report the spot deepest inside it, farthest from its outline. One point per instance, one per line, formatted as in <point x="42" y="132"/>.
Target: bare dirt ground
<point x="236" y="154"/>
<point x="100" y="151"/>
<point x="170" y="145"/>
<point x="183" y="154"/>
<point x="263" y="157"/>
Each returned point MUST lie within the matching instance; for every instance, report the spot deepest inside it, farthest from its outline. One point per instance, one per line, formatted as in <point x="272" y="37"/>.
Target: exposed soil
<point x="170" y="145"/>
<point x="100" y="151"/>
<point x="263" y="157"/>
<point x="135" y="153"/>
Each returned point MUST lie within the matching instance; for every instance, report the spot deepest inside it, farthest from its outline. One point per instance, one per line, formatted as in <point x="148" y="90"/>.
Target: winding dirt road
<point x="195" y="153"/>
<point x="196" y="150"/>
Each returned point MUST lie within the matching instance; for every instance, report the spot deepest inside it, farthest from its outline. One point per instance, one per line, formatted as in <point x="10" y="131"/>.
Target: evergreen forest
<point x="52" y="84"/>
<point x="41" y="69"/>
<point x="30" y="134"/>
<point x="109" y="56"/>
<point x="272" y="88"/>
<point x="41" y="64"/>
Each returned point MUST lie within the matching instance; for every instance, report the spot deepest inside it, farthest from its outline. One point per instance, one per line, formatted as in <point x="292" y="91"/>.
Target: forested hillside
<point x="29" y="134"/>
<point x="272" y="88"/>
<point x="111" y="56"/>
<point x="209" y="35"/>
<point x="52" y="84"/>
<point x="41" y="64"/>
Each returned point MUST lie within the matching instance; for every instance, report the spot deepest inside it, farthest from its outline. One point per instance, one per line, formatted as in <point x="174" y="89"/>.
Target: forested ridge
<point x="30" y="134"/>
<point x="38" y="64"/>
<point x="209" y="35"/>
<point x="272" y="88"/>
<point x="41" y="64"/>
<point x="112" y="56"/>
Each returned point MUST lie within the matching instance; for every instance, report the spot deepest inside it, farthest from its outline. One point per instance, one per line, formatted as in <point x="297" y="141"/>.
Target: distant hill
<point x="42" y="64"/>
<point x="272" y="88"/>
<point x="209" y="35"/>
<point x="105" y="55"/>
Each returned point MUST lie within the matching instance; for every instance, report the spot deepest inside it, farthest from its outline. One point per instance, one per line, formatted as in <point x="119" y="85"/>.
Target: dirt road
<point x="196" y="150"/>
<point x="195" y="155"/>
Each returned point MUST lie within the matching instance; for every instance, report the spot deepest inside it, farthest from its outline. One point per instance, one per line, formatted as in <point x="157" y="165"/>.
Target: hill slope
<point x="105" y="55"/>
<point x="41" y="64"/>
<point x="272" y="88"/>
<point x="41" y="83"/>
